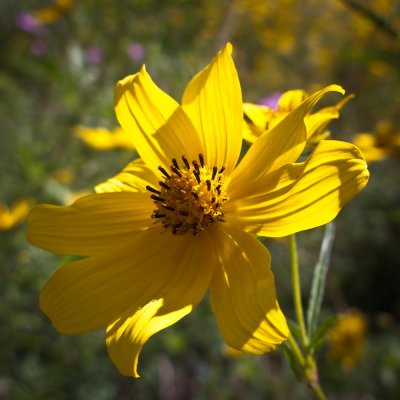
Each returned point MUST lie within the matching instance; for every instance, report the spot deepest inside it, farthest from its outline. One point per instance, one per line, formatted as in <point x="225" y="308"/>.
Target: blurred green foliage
<point x="64" y="75"/>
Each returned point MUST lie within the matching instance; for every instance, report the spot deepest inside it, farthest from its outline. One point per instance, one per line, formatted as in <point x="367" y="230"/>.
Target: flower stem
<point x="303" y="357"/>
<point x="297" y="291"/>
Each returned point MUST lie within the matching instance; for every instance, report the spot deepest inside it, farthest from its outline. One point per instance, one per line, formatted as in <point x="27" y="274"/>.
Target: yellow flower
<point x="50" y="14"/>
<point x="104" y="139"/>
<point x="381" y="144"/>
<point x="184" y="218"/>
<point x="347" y="338"/>
<point x="10" y="217"/>
<point x="258" y="118"/>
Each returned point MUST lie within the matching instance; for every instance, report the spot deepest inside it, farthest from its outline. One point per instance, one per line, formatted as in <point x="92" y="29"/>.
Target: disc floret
<point x="189" y="197"/>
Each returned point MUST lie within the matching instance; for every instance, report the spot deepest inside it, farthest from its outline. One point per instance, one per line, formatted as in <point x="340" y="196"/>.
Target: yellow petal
<point x="133" y="178"/>
<point x="188" y="280"/>
<point x="317" y="122"/>
<point x="157" y="125"/>
<point x="10" y="217"/>
<point x="213" y="100"/>
<point x="104" y="139"/>
<point x="91" y="224"/>
<point x="291" y="99"/>
<point x="301" y="196"/>
<point x="367" y="143"/>
<point x="256" y="121"/>
<point x="94" y="292"/>
<point x="279" y="146"/>
<point x="243" y="293"/>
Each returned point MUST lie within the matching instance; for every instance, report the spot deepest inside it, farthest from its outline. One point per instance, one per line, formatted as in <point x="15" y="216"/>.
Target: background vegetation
<point x="62" y="73"/>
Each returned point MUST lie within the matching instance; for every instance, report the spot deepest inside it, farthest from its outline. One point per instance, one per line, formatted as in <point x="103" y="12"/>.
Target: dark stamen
<point x="196" y="165"/>
<point x="197" y="175"/>
<point x="176" y="226"/>
<point x="165" y="173"/>
<point x="183" y="213"/>
<point x="186" y="162"/>
<point x="176" y="170"/>
<point x="215" y="169"/>
<point x="201" y="158"/>
<point x="175" y="163"/>
<point x="212" y="199"/>
<point x="157" y="198"/>
<point x="157" y="215"/>
<point x="208" y="184"/>
<point x="222" y="170"/>
<point x="195" y="195"/>
<point x="150" y="189"/>
<point x="247" y="119"/>
<point x="202" y="208"/>
<point x="164" y="185"/>
<point x="167" y="207"/>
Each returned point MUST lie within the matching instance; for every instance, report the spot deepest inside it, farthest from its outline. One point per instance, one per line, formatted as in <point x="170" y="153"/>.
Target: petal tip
<point x="336" y="88"/>
<point x="228" y="48"/>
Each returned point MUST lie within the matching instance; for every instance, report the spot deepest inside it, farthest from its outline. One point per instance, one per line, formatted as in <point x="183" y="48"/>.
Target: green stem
<point x="296" y="351"/>
<point x="303" y="357"/>
<point x="298" y="306"/>
<point x="316" y="388"/>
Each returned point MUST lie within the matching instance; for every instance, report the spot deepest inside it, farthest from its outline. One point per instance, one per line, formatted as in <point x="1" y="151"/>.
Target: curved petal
<point x="317" y="122"/>
<point x="187" y="285"/>
<point x="159" y="128"/>
<point x="91" y="224"/>
<point x="213" y="101"/>
<point x="133" y="178"/>
<point x="279" y="146"/>
<point x="301" y="196"/>
<point x="243" y="293"/>
<point x="92" y="293"/>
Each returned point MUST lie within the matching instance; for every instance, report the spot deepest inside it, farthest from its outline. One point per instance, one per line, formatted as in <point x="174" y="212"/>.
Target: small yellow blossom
<point x="14" y="215"/>
<point x="185" y="217"/>
<point x="384" y="142"/>
<point x="64" y="176"/>
<point x="258" y="118"/>
<point x="104" y="139"/>
<point x="52" y="13"/>
<point x="346" y="338"/>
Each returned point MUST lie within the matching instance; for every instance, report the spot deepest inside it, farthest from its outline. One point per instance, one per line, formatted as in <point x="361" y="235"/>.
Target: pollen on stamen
<point x="190" y="197"/>
<point x="176" y="165"/>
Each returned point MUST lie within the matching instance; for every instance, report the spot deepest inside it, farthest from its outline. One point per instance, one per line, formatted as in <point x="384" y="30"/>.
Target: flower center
<point x="190" y="196"/>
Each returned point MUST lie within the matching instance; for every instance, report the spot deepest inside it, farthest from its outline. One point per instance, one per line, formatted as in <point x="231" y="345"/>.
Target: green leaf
<point x="319" y="278"/>
<point x="318" y="338"/>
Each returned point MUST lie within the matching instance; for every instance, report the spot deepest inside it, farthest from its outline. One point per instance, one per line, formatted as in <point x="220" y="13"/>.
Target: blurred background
<point x="59" y="62"/>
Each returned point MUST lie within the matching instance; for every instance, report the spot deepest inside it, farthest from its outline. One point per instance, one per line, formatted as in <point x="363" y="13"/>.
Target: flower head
<point x="347" y="338"/>
<point x="384" y="142"/>
<point x="263" y="117"/>
<point x="183" y="218"/>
